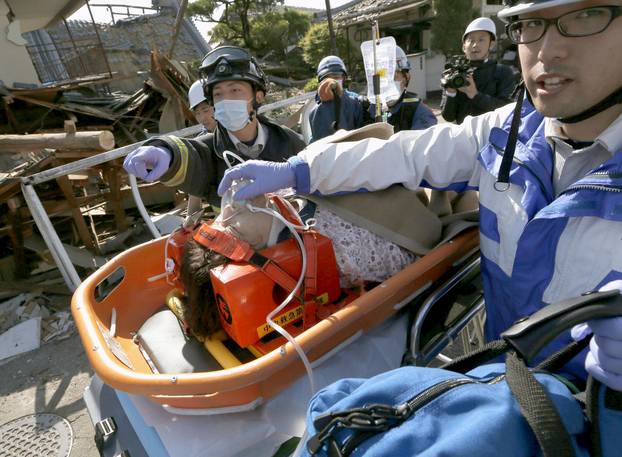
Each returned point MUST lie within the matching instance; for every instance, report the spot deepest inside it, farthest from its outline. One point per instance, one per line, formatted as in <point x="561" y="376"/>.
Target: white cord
<point x="270" y="316"/>
<point x="232" y="154"/>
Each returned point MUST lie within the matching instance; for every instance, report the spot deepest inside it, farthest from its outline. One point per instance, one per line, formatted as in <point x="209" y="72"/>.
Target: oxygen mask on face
<point x="249" y="220"/>
<point x="228" y="205"/>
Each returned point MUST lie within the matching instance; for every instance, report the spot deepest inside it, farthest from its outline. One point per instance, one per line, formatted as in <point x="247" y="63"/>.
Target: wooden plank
<point x="83" y="230"/>
<point x="112" y="176"/>
<point x="102" y="140"/>
<point x="17" y="237"/>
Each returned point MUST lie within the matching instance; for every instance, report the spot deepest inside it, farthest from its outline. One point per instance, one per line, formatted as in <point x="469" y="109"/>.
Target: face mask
<point x="232" y="114"/>
<point x="399" y="88"/>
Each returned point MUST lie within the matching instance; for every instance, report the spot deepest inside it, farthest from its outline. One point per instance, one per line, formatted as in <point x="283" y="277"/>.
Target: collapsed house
<point x="75" y="89"/>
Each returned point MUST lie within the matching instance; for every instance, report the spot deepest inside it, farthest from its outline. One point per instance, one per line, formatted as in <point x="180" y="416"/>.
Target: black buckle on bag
<point x="370" y="420"/>
<point x="104" y="429"/>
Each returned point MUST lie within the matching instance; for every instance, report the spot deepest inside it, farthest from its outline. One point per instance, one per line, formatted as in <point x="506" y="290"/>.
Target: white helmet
<point x="516" y="7"/>
<point x="401" y="59"/>
<point x="196" y="94"/>
<point x="481" y="23"/>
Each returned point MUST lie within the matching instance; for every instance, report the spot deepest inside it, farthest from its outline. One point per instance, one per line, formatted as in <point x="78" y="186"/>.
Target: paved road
<point x="50" y="379"/>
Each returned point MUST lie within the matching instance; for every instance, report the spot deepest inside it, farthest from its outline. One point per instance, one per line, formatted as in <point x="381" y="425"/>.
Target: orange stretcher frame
<point x="137" y="297"/>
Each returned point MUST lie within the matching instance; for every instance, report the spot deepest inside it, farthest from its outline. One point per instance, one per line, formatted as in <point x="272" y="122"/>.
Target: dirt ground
<point x="50" y="379"/>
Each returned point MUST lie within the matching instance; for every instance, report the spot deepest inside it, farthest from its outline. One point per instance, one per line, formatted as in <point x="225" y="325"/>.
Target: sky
<point x="102" y="15"/>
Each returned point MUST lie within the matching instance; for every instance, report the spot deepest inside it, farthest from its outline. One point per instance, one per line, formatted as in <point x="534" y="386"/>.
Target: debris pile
<point x="30" y="319"/>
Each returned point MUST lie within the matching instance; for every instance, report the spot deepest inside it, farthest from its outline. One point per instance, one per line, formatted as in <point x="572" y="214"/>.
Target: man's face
<point x="476" y="45"/>
<point x="400" y="79"/>
<point x="567" y="75"/>
<point x="205" y="115"/>
<point x="233" y="90"/>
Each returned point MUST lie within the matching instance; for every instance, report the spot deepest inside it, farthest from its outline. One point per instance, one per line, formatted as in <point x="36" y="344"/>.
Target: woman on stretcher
<point x="360" y="255"/>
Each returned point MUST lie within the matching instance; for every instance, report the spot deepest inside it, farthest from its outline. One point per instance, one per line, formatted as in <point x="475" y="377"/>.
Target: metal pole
<point x="141" y="208"/>
<point x="75" y="48"/>
<point x="376" y="78"/>
<point x="180" y="16"/>
<point x="67" y="270"/>
<point x="99" y="39"/>
<point x="331" y="30"/>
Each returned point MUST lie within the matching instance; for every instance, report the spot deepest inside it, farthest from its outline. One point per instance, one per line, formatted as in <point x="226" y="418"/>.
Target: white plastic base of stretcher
<point x="261" y="431"/>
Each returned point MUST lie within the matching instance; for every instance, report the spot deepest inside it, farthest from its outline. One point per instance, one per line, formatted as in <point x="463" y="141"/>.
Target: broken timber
<point x="102" y="140"/>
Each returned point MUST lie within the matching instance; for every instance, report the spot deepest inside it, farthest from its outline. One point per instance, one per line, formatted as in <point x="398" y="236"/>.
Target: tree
<point x="234" y="23"/>
<point x="452" y="17"/>
<point x="316" y="45"/>
<point x="278" y="31"/>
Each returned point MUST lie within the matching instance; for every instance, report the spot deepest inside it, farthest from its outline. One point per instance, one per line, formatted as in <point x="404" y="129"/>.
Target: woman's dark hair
<point x="204" y="319"/>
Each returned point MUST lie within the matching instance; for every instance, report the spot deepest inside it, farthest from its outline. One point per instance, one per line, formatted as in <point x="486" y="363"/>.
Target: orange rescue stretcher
<point x="108" y="318"/>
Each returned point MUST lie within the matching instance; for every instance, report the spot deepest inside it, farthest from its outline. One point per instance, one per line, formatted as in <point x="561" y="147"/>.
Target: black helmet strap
<point x="607" y="102"/>
<point x="503" y="178"/>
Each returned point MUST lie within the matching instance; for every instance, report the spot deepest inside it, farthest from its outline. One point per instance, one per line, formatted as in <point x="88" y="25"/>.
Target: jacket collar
<point x="610" y="138"/>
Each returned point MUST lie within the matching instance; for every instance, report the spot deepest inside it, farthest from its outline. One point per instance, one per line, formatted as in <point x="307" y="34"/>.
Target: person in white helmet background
<point x="203" y="111"/>
<point x="548" y="169"/>
<point x="336" y="107"/>
<point x="488" y="85"/>
<point x="235" y="85"/>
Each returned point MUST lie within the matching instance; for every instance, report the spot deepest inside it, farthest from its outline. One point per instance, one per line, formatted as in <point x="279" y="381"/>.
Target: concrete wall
<point x="16" y="64"/>
<point x="435" y="64"/>
<point x="418" y="65"/>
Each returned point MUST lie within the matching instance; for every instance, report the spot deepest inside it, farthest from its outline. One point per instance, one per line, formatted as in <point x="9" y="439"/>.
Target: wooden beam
<point x="112" y="176"/>
<point x="17" y="237"/>
<point x="83" y="230"/>
<point x="102" y="140"/>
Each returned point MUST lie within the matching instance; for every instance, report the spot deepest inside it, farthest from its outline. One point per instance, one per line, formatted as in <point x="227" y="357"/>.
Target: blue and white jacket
<point x="536" y="248"/>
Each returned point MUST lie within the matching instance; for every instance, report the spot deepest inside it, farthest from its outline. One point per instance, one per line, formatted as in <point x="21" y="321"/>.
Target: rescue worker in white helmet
<point x="336" y="107"/>
<point x="407" y="112"/>
<point x="235" y="85"/>
<point x="547" y="169"/>
<point x="476" y="83"/>
<point x="203" y="111"/>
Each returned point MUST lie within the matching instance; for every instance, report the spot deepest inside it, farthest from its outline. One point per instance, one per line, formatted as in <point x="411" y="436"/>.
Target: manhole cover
<point x="36" y="435"/>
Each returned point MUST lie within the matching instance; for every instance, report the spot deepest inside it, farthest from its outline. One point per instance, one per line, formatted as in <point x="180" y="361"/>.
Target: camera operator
<point x="476" y="84"/>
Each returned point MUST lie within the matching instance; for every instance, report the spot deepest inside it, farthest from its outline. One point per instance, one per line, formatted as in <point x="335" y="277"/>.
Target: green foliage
<point x="273" y="34"/>
<point x="452" y="17"/>
<point x="234" y="22"/>
<point x="311" y="85"/>
<point x="224" y="34"/>
<point x="316" y="45"/>
<point x="276" y="31"/>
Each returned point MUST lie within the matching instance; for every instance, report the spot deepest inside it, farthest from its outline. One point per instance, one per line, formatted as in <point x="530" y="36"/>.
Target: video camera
<point x="457" y="69"/>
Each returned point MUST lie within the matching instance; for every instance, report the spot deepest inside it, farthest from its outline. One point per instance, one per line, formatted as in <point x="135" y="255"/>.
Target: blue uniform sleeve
<point x="322" y="118"/>
<point x="423" y="118"/>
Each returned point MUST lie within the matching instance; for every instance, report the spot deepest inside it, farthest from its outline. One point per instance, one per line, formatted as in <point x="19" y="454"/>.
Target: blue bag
<point x="490" y="410"/>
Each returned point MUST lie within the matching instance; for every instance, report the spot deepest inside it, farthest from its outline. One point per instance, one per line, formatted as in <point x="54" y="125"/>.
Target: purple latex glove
<point x="148" y="162"/>
<point x="265" y="176"/>
<point x="604" y="360"/>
